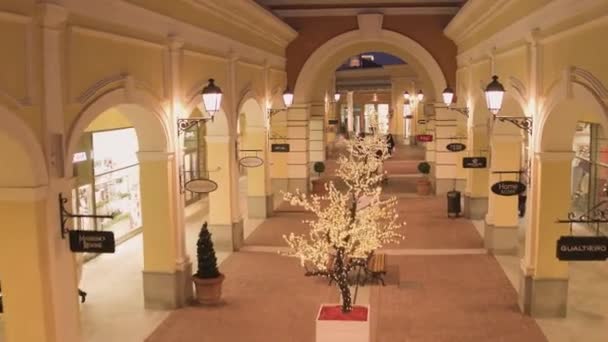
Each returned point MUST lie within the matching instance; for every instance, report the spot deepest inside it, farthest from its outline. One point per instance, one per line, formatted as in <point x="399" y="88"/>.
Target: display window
<point x="589" y="185"/>
<point x="114" y="189"/>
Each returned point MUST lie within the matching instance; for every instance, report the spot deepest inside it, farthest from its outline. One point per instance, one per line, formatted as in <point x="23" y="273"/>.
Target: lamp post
<point x="211" y="96"/>
<point x="495" y="92"/>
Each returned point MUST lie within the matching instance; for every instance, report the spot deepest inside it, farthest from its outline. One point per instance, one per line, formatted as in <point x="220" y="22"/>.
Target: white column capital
<point x="144" y="156"/>
<point x="554" y="156"/>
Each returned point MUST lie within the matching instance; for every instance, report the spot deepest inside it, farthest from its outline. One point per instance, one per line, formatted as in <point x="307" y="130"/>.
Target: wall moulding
<point x="115" y="37"/>
<point x="113" y="82"/>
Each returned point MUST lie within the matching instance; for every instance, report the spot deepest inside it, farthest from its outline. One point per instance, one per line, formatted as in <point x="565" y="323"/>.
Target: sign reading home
<point x="201" y="186"/>
<point x="251" y="161"/>
<point x="90" y="241"/>
<point x="581" y="248"/>
<point x="279" y="147"/>
<point x="474" y="162"/>
<point x="424" y="138"/>
<point x="456" y="147"/>
<point x="508" y="188"/>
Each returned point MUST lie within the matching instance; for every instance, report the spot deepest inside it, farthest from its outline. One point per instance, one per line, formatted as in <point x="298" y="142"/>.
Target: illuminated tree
<point x="349" y="224"/>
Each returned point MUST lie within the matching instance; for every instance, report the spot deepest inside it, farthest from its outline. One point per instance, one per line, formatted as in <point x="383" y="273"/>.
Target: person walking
<point x="391" y="143"/>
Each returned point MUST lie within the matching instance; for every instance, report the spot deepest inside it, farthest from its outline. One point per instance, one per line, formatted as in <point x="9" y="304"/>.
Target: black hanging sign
<point x="90" y="241"/>
<point x="508" y="188"/>
<point x="581" y="248"/>
<point x="421" y="122"/>
<point x="474" y="162"/>
<point x="456" y="147"/>
<point x="279" y="147"/>
<point x="424" y="137"/>
<point x="409" y="116"/>
<point x="332" y="122"/>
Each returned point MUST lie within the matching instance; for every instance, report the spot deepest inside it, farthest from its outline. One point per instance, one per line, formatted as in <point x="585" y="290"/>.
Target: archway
<point x="327" y="57"/>
<point x="138" y="176"/>
<point x="577" y="98"/>
<point x="44" y="270"/>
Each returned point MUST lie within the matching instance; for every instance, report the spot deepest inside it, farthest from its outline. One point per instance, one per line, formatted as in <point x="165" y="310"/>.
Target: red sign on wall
<point x="424" y="138"/>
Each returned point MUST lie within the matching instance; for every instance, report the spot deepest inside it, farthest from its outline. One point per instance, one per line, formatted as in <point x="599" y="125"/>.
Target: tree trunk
<point x="342" y="281"/>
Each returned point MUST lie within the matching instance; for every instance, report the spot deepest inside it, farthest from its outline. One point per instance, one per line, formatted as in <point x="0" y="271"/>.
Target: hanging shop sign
<point x="279" y="147"/>
<point x="333" y="121"/>
<point x="456" y="147"/>
<point x="474" y="162"/>
<point x="508" y="188"/>
<point x="409" y="116"/>
<point x="424" y="137"/>
<point x="201" y="186"/>
<point x="421" y="122"/>
<point x="582" y="248"/>
<point x="90" y="241"/>
<point x="251" y="161"/>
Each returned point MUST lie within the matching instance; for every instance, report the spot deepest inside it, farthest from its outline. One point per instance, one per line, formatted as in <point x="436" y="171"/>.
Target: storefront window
<point x="589" y="169"/>
<point x="116" y="181"/>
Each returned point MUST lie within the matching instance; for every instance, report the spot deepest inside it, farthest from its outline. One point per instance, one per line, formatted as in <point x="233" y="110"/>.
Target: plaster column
<point x="298" y="169"/>
<point x="447" y="175"/>
<point x="316" y="127"/>
<point x="40" y="294"/>
<point x="225" y="222"/>
<point x="544" y="279"/>
<point x="166" y="278"/>
<point x="350" y="112"/>
<point x="502" y="220"/>
<point x="429" y="147"/>
<point x="259" y="193"/>
<point x="397" y="123"/>
<point x="476" y="191"/>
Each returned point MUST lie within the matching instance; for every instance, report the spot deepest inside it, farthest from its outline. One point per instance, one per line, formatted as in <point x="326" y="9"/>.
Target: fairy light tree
<point x="349" y="224"/>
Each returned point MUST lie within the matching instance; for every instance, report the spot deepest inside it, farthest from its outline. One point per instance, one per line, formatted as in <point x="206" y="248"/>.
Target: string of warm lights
<point x="349" y="224"/>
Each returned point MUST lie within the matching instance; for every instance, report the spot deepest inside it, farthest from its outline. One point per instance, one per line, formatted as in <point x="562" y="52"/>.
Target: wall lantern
<point x="406" y="96"/>
<point x="448" y="99"/>
<point x="211" y="97"/>
<point x="495" y="92"/>
<point x="420" y="95"/>
<point x="337" y="97"/>
<point x="287" y="100"/>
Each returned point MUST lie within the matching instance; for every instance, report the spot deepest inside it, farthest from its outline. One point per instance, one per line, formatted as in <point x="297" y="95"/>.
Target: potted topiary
<point x="423" y="185"/>
<point x="318" y="186"/>
<point x="207" y="280"/>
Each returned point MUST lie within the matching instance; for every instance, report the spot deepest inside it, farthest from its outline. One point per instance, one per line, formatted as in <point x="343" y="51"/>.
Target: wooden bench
<point x="376" y="268"/>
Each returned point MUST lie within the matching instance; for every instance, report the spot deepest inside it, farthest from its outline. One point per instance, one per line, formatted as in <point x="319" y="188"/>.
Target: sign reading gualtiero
<point x="474" y="162"/>
<point x="581" y="248"/>
<point x="424" y="137"/>
<point x="279" y="147"/>
<point x="456" y="147"/>
<point x="508" y="188"/>
<point x="251" y="161"/>
<point x="201" y="186"/>
<point x="90" y="241"/>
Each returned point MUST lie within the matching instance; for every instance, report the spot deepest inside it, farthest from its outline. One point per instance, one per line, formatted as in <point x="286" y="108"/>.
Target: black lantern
<point x="494" y="95"/>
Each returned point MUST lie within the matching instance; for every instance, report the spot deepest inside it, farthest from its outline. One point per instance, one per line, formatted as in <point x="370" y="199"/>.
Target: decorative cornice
<point x="354" y="11"/>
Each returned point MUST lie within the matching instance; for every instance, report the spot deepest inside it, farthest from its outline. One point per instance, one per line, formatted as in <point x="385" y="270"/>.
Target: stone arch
<point x="250" y="105"/>
<point x="23" y="153"/>
<point x="147" y="116"/>
<point x="327" y="57"/>
<point x="576" y="91"/>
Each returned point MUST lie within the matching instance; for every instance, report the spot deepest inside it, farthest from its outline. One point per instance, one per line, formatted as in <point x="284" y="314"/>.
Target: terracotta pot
<point x="208" y="291"/>
<point x="318" y="186"/>
<point x="423" y="187"/>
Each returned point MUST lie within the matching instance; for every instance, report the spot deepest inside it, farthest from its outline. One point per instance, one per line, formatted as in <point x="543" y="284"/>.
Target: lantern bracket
<point x="523" y="122"/>
<point x="272" y="112"/>
<point x="65" y="215"/>
<point x="187" y="123"/>
<point x="462" y="110"/>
